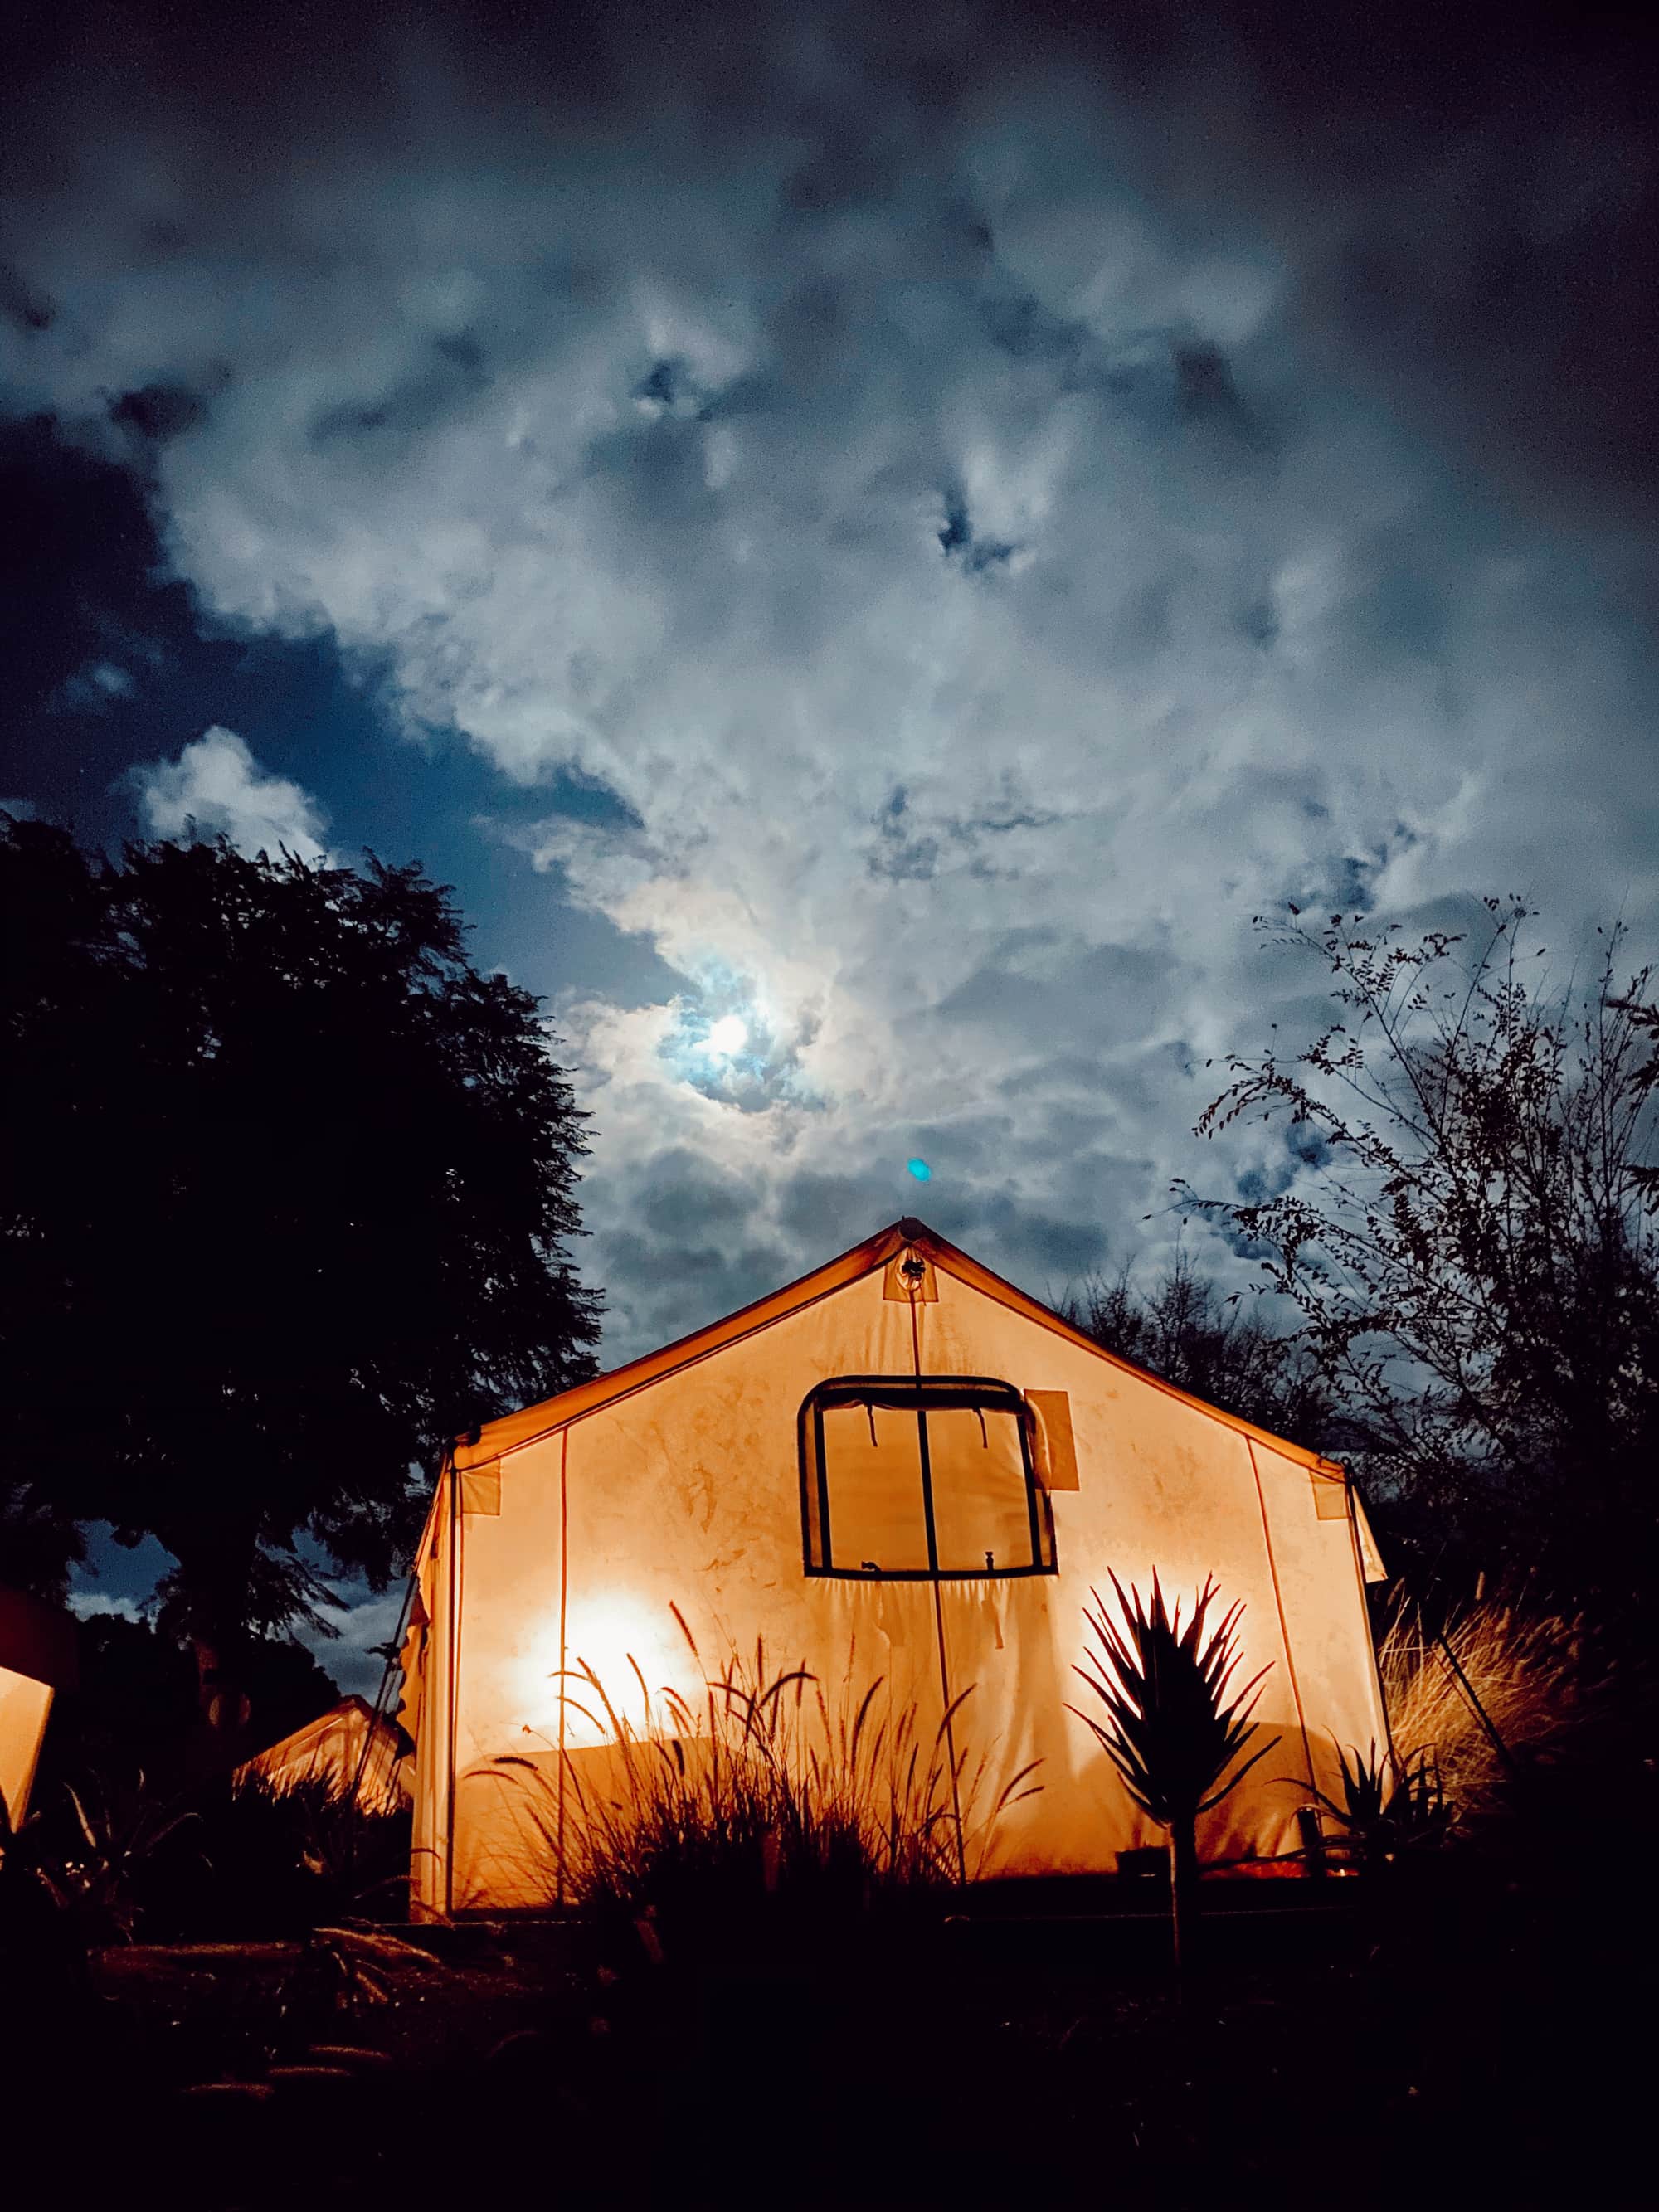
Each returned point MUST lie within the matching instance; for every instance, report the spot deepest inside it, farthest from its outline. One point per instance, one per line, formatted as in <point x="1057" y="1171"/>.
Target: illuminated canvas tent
<point x="37" y="1657"/>
<point x="347" y="1748"/>
<point x="899" y="1466"/>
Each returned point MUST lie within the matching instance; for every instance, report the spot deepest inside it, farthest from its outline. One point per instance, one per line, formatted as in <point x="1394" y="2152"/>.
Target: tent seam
<point x="1279" y="1605"/>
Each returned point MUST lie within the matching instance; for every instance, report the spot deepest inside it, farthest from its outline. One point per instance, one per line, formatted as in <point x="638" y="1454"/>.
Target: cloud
<point x="348" y="1655"/>
<point x="95" y="689"/>
<point x="217" y="784"/>
<point x="945" y="494"/>
<point x="96" y="1605"/>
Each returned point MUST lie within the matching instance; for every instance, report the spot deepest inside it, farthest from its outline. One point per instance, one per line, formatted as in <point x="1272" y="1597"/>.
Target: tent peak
<point x="512" y="1430"/>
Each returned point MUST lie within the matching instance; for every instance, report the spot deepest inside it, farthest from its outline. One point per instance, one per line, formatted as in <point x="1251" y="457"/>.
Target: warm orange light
<point x="610" y="1633"/>
<point x="24" y="1704"/>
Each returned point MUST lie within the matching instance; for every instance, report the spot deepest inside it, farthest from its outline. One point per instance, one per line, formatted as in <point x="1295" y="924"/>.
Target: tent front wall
<point x="574" y="1553"/>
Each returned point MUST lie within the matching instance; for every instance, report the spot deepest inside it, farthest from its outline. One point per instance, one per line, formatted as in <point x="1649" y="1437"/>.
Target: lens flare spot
<point x="920" y="1170"/>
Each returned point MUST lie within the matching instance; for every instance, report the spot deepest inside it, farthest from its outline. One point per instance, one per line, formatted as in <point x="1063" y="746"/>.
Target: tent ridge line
<point x="872" y="1254"/>
<point x="693" y="1358"/>
<point x="1017" y="1301"/>
<point x="846" y="1267"/>
<point x="1284" y="1619"/>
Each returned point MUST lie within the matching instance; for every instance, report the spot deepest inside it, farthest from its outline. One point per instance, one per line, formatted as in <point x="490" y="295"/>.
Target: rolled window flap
<point x="1056" y="1449"/>
<point x="1370" y="1558"/>
<point x="1330" y="1496"/>
<point x="481" y="1488"/>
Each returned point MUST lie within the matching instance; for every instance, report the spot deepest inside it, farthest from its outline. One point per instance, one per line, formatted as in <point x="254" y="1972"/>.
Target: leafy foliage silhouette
<point x="1183" y="1328"/>
<point x="1466" y="1228"/>
<point x="1389" y="1804"/>
<point x="289" y="1186"/>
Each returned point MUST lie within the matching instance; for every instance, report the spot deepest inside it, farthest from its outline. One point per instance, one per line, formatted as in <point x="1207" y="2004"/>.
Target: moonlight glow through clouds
<point x="729" y="1034"/>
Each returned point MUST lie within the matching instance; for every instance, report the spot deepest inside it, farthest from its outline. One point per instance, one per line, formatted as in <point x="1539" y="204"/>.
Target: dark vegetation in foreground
<point x="778" y="1990"/>
<point x="1460" y="2020"/>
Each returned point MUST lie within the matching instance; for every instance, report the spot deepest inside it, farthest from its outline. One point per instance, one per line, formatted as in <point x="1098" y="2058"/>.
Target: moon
<point x="728" y="1035"/>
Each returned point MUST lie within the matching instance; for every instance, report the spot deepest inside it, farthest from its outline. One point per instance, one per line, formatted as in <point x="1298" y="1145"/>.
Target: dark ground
<point x="1475" y="2024"/>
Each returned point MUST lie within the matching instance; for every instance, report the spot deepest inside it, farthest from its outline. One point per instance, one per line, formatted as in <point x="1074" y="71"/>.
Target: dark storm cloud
<point x="156" y="412"/>
<point x="674" y="1286"/>
<point x="1472" y="210"/>
<point x="817" y="1210"/>
<point x="683" y="1193"/>
<point x="1470" y="206"/>
<point x="1039" y="989"/>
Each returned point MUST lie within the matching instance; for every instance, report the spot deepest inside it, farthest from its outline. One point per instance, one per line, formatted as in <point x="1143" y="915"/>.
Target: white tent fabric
<point x="899" y="1467"/>
<point x="336" y="1749"/>
<point x="37" y="1657"/>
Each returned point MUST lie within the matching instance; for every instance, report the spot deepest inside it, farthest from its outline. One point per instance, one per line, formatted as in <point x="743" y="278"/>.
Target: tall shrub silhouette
<point x="1170" y="1729"/>
<point x="289" y="1196"/>
<point x="1468" y="1228"/>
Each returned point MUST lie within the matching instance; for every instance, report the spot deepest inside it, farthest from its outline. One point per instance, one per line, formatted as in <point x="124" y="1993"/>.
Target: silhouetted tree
<point x="1471" y="1242"/>
<point x="287" y="1188"/>
<point x="1218" y="1346"/>
<point x="39" y="1540"/>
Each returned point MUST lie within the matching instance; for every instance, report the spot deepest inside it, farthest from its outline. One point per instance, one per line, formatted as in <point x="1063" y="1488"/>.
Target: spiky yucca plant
<point x="1389" y="1804"/>
<point x="1170" y="1729"/>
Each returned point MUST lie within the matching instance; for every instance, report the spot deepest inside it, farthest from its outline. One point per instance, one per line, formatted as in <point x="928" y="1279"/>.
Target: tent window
<point x="921" y="1478"/>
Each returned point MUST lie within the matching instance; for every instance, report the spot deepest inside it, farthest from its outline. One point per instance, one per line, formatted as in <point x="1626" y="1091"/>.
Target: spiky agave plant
<point x="1172" y="1730"/>
<point x="1388" y="1805"/>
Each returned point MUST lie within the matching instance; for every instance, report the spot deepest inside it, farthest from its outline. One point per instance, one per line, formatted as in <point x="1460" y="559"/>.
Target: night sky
<point x="905" y="530"/>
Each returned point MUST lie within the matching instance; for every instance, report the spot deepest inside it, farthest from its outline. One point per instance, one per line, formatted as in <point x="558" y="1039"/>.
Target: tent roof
<point x="349" y="1749"/>
<point x="309" y="1730"/>
<point x="512" y="1431"/>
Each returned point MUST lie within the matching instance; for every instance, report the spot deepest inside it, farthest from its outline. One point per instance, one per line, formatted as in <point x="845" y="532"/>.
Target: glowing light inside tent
<point x="728" y="1035"/>
<point x="920" y="1170"/>
<point x="605" y="1632"/>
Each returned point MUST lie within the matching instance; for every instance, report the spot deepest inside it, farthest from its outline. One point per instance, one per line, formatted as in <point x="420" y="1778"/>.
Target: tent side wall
<point x="686" y="1494"/>
<point x="25" y="1706"/>
<point x="37" y="1658"/>
<point x="426" y="1710"/>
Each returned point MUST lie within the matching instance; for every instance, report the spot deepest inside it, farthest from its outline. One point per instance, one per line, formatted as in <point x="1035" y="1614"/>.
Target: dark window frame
<point x="904" y="1393"/>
